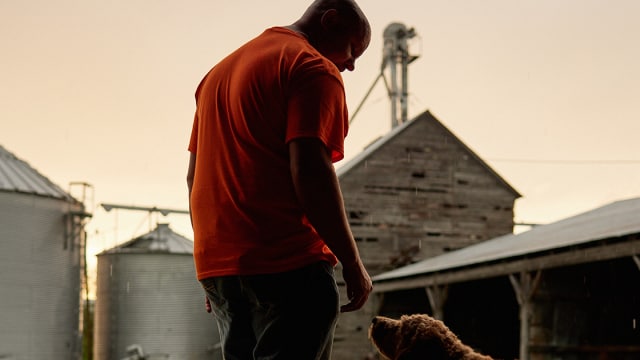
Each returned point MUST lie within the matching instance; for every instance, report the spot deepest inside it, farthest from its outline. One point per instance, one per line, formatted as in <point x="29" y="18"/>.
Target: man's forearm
<point x="318" y="191"/>
<point x="191" y="171"/>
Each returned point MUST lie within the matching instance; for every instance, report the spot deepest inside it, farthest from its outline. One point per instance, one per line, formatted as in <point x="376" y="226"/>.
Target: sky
<point x="102" y="91"/>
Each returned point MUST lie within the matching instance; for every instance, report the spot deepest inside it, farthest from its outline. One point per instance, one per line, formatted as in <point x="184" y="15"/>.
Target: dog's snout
<point x="374" y="320"/>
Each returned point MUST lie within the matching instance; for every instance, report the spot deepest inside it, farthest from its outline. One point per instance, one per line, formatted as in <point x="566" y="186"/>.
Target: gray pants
<point x="282" y="316"/>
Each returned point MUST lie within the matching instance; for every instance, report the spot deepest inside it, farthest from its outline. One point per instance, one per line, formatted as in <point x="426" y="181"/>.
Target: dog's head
<point x="412" y="337"/>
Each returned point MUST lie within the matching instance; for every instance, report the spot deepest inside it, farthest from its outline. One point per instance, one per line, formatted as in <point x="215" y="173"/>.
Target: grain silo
<point x="41" y="254"/>
<point x="149" y="304"/>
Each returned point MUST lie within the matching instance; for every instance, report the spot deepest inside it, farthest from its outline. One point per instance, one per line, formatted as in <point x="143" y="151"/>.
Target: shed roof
<point x="160" y="240"/>
<point x="425" y="116"/>
<point x="617" y="219"/>
<point x="18" y="176"/>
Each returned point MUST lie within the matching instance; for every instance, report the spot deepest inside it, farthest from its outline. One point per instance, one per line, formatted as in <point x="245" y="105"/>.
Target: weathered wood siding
<point x="423" y="193"/>
<point x="420" y="193"/>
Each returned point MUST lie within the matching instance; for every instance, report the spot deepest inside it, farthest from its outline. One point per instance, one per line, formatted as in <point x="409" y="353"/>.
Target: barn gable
<point x="420" y="191"/>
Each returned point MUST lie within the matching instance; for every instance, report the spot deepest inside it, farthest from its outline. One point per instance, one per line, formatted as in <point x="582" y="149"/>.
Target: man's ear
<point x="330" y="19"/>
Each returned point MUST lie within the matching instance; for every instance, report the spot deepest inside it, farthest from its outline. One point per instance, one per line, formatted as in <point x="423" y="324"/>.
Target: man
<point x="266" y="208"/>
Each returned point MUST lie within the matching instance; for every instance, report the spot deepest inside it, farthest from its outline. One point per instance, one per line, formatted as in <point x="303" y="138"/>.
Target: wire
<point x="567" y="162"/>
<point x="353" y="116"/>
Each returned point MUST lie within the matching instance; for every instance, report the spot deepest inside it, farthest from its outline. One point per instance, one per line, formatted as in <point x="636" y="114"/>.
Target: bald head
<point x="351" y="17"/>
<point x="338" y="29"/>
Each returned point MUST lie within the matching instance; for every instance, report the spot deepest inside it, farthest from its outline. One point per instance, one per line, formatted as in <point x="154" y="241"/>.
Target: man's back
<point x="249" y="107"/>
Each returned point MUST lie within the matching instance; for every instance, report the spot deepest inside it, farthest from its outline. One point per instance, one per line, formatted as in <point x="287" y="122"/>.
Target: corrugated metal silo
<point x="41" y="252"/>
<point x="148" y="297"/>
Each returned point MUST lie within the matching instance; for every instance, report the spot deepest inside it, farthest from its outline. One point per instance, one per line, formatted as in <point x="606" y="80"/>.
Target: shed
<point x="417" y="192"/>
<point x="575" y="284"/>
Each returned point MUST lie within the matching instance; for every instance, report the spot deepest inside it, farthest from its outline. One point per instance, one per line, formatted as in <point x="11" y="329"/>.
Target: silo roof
<point x="16" y="175"/>
<point x="160" y="240"/>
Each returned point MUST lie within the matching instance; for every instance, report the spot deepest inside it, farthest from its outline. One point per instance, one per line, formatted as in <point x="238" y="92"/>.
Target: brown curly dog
<point x="418" y="337"/>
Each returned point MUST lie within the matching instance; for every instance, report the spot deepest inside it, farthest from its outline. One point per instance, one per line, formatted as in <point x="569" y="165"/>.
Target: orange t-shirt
<point x="246" y="216"/>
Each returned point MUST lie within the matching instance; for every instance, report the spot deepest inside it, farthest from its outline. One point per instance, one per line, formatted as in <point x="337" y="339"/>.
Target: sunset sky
<point x="547" y="92"/>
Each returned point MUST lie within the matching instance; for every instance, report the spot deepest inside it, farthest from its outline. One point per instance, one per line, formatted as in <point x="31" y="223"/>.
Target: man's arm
<point x="191" y="172"/>
<point x="318" y="191"/>
<point x="190" y="176"/>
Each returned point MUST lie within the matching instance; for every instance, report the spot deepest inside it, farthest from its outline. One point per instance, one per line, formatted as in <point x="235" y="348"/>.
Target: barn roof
<point x="425" y="116"/>
<point x="18" y="176"/>
<point x="614" y="220"/>
<point x="160" y="240"/>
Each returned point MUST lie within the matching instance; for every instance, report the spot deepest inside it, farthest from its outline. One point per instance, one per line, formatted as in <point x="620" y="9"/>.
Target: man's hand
<point x="207" y="304"/>
<point x="359" y="286"/>
<point x="318" y="190"/>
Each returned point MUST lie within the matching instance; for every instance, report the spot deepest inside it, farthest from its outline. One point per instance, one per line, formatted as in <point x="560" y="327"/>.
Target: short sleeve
<point x="193" y="141"/>
<point x="317" y="108"/>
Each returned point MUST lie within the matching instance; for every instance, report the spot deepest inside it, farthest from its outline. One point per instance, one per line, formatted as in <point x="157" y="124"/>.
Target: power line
<point x="567" y="162"/>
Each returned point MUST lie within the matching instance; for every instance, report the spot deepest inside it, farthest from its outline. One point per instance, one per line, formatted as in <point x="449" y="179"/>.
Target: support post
<point x="525" y="287"/>
<point x="437" y="295"/>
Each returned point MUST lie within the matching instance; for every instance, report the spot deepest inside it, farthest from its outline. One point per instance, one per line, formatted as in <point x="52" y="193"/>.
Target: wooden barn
<point x="415" y="193"/>
<point x="568" y="290"/>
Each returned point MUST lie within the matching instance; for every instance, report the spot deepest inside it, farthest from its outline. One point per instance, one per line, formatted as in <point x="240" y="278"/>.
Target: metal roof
<point x="160" y="240"/>
<point x="18" y="176"/>
<point x="378" y="143"/>
<point x="610" y="221"/>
